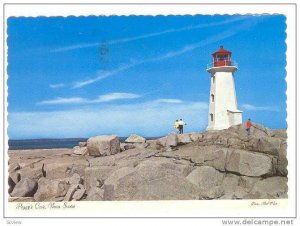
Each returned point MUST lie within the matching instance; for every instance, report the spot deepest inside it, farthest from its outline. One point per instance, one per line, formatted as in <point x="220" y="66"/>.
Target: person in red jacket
<point x="248" y="126"/>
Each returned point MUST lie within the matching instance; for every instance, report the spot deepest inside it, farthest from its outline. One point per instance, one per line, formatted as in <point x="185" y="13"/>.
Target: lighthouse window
<point x="212" y="98"/>
<point x="214" y="79"/>
<point x="211" y="117"/>
<point x="222" y="57"/>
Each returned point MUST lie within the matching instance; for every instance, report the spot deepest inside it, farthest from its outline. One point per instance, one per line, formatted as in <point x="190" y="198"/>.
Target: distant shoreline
<point x="39" y="149"/>
<point x="45" y="143"/>
<point x="47" y="139"/>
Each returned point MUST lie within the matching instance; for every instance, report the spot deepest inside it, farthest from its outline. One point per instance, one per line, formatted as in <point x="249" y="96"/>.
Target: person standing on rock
<point x="248" y="126"/>
<point x="181" y="124"/>
<point x="176" y="126"/>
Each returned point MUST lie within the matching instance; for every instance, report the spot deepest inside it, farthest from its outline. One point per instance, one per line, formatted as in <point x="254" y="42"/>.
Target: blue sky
<point x="86" y="76"/>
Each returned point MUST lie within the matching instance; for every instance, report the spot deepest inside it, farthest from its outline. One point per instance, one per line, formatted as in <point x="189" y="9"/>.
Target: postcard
<point x="159" y="110"/>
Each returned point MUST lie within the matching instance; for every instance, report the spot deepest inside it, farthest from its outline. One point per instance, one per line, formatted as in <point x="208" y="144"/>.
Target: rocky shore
<point x="226" y="164"/>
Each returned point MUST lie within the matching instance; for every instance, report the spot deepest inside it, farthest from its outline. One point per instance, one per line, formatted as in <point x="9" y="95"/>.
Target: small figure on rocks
<point x="181" y="124"/>
<point x="176" y="126"/>
<point x="248" y="126"/>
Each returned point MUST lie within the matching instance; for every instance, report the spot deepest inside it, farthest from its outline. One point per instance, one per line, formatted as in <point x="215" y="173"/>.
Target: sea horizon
<point x="51" y="143"/>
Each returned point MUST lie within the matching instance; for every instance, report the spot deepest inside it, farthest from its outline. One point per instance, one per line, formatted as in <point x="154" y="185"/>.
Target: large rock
<point x="78" y="194"/>
<point x="167" y="188"/>
<point x="135" y="139"/>
<point x="66" y="167"/>
<point x="248" y="182"/>
<point x="239" y="193"/>
<point x="11" y="185"/>
<point x="279" y="133"/>
<point x="259" y="131"/>
<point x="205" y="177"/>
<point x="210" y="137"/>
<point x="151" y="181"/>
<point x="26" y="187"/>
<point x="217" y="137"/>
<point x="247" y="143"/>
<point x="172" y="140"/>
<point x="249" y="164"/>
<point x="75" y="192"/>
<point x="13" y="167"/>
<point x="95" y="176"/>
<point x="110" y="160"/>
<point x="15" y="177"/>
<point x="127" y="158"/>
<point x="74" y="179"/>
<point x="152" y="144"/>
<point x="34" y="173"/>
<point x="95" y="194"/>
<point x="184" y="138"/>
<point x="235" y="142"/>
<point x="103" y="145"/>
<point x="252" y="144"/>
<point x="109" y="192"/>
<point x="229" y="183"/>
<point x="196" y="136"/>
<point x="179" y="166"/>
<point x="114" y="178"/>
<point x="236" y="187"/>
<point x="216" y="157"/>
<point x="48" y="190"/>
<point x="213" y="193"/>
<point x="189" y="152"/>
<point x="80" y="150"/>
<point x="272" y="187"/>
<point x="70" y="192"/>
<point x="269" y="145"/>
<point x="162" y="141"/>
<point x="125" y="147"/>
<point x="282" y="162"/>
<point x="82" y="144"/>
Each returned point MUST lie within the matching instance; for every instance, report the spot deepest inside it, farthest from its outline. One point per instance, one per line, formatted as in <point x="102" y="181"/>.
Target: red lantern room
<point x="222" y="57"/>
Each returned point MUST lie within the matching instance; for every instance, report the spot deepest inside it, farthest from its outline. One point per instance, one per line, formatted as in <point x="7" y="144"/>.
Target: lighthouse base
<point x="233" y="117"/>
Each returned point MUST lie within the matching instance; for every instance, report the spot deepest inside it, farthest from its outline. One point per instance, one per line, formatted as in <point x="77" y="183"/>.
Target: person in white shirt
<point x="181" y="124"/>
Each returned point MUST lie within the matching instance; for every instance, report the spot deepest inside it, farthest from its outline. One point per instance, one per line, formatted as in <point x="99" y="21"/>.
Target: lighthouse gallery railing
<point x="224" y="63"/>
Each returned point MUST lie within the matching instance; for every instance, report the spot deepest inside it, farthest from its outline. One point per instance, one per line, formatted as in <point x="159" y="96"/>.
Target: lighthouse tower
<point x="223" y="111"/>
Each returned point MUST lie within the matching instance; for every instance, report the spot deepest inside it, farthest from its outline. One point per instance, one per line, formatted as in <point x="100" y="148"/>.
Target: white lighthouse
<point x="223" y="111"/>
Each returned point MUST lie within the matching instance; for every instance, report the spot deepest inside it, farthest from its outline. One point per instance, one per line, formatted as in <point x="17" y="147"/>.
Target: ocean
<point x="44" y="143"/>
<point x="49" y="143"/>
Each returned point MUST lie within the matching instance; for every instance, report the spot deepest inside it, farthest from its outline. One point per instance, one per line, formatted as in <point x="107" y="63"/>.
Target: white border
<point x="228" y="208"/>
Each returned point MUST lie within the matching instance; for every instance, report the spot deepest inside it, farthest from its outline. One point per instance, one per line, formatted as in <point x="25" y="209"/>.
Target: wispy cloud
<point x="102" y="75"/>
<point x="194" y="46"/>
<point x="116" y="96"/>
<point x="250" y="107"/>
<point x="168" y="101"/>
<point x="105" y="74"/>
<point x="73" y="47"/>
<point x="55" y="86"/>
<point x="105" y="98"/>
<point x="101" y="99"/>
<point x="150" y="35"/>
<point x="59" y="100"/>
<point x="146" y="119"/>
